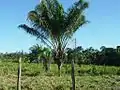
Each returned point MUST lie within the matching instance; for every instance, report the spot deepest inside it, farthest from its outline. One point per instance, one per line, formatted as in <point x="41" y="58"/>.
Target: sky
<point x="103" y="29"/>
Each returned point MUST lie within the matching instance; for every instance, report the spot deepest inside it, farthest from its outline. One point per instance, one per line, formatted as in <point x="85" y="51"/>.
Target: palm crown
<point x="50" y="23"/>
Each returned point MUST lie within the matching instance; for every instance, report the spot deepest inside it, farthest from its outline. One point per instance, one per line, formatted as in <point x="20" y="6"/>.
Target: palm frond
<point x="29" y="30"/>
<point x="75" y="17"/>
<point x="33" y="17"/>
<point x="36" y="33"/>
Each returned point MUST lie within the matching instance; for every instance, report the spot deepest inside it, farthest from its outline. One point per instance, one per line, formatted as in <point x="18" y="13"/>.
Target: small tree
<point x="39" y="53"/>
<point x="46" y="56"/>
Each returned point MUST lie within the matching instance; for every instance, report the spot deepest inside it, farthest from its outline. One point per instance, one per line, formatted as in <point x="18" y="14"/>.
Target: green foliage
<point x="33" y="77"/>
<point x="105" y="56"/>
<point x="54" y="26"/>
<point x="36" y="69"/>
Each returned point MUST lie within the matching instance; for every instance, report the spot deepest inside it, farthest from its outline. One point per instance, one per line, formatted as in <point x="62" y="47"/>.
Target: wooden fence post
<point x="73" y="75"/>
<point x="73" y="69"/>
<point x="19" y="75"/>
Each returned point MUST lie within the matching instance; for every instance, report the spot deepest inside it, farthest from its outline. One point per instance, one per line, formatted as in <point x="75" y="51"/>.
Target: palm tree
<point x="40" y="53"/>
<point x="35" y="53"/>
<point x="46" y="56"/>
<point x="54" y="26"/>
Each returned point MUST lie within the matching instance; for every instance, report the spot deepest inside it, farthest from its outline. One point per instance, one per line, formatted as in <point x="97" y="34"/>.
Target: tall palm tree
<point x="54" y="26"/>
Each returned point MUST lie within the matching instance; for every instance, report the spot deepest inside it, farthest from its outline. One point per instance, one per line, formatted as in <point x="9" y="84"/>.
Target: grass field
<point x="88" y="77"/>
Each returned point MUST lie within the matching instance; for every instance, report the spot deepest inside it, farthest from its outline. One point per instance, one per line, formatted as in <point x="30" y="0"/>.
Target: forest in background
<point x="37" y="54"/>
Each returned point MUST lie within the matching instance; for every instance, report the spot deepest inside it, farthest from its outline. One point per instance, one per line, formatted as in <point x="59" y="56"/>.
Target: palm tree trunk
<point x="49" y="63"/>
<point x="59" y="69"/>
<point x="59" y="63"/>
<point x="45" y="64"/>
<point x="73" y="75"/>
<point x="19" y="75"/>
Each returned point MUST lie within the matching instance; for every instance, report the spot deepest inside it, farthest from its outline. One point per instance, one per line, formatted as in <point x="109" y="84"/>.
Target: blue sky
<point x="103" y="29"/>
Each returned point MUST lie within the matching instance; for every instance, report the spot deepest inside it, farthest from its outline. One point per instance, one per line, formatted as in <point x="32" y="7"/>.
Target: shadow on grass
<point x="32" y="74"/>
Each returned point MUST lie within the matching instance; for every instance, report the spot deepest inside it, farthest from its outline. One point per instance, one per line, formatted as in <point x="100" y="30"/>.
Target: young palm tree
<point x="41" y="53"/>
<point x="54" y="26"/>
<point x="47" y="58"/>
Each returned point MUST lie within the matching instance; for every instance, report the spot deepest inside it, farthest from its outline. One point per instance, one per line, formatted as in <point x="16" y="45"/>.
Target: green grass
<point x="88" y="77"/>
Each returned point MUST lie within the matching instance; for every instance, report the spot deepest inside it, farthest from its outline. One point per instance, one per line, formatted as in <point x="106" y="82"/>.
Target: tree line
<point x="39" y="54"/>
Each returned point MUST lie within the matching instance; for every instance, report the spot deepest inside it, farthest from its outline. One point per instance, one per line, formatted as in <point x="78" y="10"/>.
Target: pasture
<point x="88" y="77"/>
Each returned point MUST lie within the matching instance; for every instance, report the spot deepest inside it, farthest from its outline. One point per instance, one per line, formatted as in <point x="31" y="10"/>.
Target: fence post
<point x="73" y="75"/>
<point x="19" y="75"/>
<point x="73" y="69"/>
